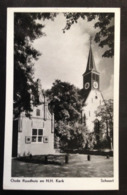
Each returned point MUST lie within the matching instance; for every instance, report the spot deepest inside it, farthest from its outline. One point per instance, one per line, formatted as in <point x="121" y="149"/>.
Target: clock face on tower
<point x="87" y="85"/>
<point x="95" y="84"/>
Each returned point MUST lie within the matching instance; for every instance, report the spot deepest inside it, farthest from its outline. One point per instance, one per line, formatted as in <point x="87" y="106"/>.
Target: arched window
<point x="84" y="119"/>
<point x="96" y="126"/>
<point x="38" y="112"/>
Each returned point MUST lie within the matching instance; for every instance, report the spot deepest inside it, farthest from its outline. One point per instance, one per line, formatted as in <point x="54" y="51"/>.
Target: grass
<point x="78" y="166"/>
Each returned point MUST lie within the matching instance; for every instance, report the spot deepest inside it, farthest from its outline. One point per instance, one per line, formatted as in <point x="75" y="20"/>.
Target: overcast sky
<point x="64" y="55"/>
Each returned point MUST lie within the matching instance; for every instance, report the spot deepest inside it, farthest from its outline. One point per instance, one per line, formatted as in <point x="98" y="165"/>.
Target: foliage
<point x="105" y="115"/>
<point x="74" y="136"/>
<point x="26" y="30"/>
<point x="66" y="104"/>
<point x="103" y="143"/>
<point x="65" y="101"/>
<point x="105" y="35"/>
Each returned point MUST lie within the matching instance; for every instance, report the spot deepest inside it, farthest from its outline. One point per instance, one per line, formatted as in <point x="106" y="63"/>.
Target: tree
<point x="73" y="136"/>
<point x="26" y="30"/>
<point x="105" y="35"/>
<point x="105" y="115"/>
<point x="65" y="101"/>
<point x="66" y="104"/>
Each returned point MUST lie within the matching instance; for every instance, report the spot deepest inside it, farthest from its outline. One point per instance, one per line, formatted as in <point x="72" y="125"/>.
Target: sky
<point x="64" y="55"/>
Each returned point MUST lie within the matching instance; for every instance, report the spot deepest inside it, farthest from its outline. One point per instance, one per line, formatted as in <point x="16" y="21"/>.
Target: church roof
<point x="90" y="63"/>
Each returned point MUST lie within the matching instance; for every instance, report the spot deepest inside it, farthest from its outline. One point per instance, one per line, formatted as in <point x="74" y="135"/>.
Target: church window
<point x="96" y="126"/>
<point x="96" y="97"/>
<point x="97" y="78"/>
<point x="93" y="76"/>
<point x="37" y="135"/>
<point x="84" y="119"/>
<point x="38" y="112"/>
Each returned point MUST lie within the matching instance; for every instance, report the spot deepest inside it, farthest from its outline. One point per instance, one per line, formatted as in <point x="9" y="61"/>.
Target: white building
<point x="34" y="135"/>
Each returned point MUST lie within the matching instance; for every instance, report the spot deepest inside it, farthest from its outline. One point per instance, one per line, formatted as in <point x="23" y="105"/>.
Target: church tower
<point x="92" y="94"/>
<point x="91" y="77"/>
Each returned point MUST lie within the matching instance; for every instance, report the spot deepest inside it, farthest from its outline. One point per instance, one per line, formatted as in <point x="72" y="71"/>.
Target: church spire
<point x="90" y="63"/>
<point x="91" y="76"/>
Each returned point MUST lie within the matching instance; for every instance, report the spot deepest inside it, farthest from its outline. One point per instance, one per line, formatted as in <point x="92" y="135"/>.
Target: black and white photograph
<point x="62" y="98"/>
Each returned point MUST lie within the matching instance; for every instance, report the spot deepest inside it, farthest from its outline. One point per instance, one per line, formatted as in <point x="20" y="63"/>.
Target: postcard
<point x="62" y="99"/>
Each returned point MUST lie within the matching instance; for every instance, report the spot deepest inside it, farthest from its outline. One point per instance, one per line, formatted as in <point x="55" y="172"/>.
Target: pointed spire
<point x="90" y="63"/>
<point x="90" y="39"/>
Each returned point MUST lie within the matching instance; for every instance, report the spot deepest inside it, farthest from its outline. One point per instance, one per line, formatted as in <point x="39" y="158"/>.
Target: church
<point x="92" y="93"/>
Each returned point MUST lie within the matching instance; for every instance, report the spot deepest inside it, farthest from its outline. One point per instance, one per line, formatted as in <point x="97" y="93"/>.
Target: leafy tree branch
<point x="105" y="34"/>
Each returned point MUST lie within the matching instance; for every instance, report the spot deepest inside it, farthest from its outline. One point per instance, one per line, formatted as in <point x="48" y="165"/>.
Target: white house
<point x="34" y="135"/>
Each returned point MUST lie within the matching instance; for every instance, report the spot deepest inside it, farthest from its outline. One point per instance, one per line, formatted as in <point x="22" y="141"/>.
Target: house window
<point x="37" y="135"/>
<point x="38" y="112"/>
<point x="40" y="134"/>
